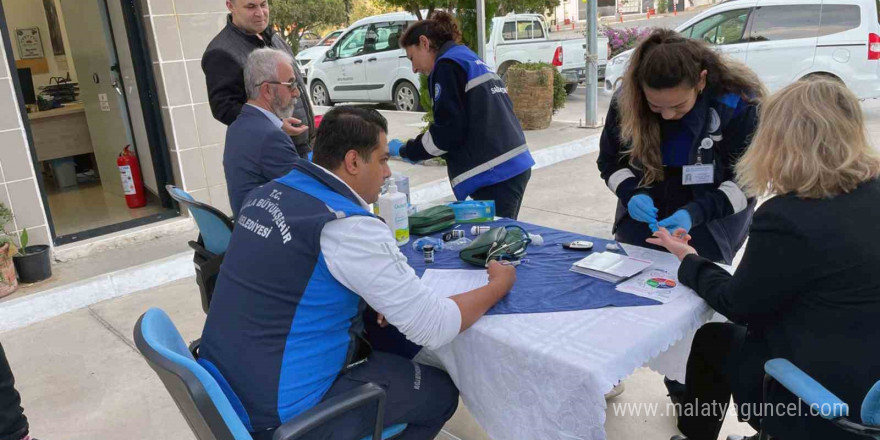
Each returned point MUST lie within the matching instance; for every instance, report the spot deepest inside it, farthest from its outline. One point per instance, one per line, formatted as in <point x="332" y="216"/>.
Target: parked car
<point x="524" y="38"/>
<point x="308" y="39"/>
<point x="306" y="55"/>
<point x="366" y="63"/>
<point x="786" y="40"/>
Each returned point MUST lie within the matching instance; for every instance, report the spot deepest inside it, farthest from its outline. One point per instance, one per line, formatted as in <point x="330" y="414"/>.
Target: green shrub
<point x="559" y="94"/>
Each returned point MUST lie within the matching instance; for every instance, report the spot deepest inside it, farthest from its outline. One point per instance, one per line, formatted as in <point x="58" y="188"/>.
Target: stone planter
<point x="8" y="279"/>
<point x="532" y="94"/>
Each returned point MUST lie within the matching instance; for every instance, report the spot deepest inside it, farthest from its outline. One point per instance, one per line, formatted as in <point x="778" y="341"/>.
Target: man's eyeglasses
<point x="290" y="85"/>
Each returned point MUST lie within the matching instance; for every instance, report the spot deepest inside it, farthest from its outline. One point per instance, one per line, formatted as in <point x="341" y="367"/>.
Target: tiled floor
<point x="88" y="206"/>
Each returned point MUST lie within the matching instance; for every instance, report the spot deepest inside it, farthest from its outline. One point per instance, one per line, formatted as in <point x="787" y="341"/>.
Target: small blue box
<point x="473" y="211"/>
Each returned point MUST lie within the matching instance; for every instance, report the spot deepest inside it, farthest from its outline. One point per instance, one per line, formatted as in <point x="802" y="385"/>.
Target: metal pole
<point x="592" y="66"/>
<point x="481" y="29"/>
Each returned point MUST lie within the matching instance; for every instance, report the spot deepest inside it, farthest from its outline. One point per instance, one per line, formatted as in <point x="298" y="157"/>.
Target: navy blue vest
<point x="280" y="327"/>
<point x="496" y="148"/>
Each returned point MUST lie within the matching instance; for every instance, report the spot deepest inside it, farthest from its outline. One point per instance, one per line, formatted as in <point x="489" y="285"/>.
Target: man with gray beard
<point x="257" y="148"/>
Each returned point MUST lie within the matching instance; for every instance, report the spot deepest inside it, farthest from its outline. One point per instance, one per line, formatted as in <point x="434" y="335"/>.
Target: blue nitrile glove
<point x="394" y="146"/>
<point x="641" y="208"/>
<point x="311" y="153"/>
<point x="679" y="219"/>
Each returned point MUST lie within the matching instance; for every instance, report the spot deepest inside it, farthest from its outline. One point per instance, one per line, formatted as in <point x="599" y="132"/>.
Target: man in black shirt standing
<point x="247" y="29"/>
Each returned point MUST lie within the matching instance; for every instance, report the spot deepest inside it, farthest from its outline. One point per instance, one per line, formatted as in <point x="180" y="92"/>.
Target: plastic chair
<point x="826" y="404"/>
<point x="215" y="230"/>
<point x="208" y="410"/>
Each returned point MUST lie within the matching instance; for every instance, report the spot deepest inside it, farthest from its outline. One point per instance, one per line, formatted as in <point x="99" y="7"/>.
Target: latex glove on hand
<point x="394" y="146"/>
<point x="641" y="208"/>
<point x="680" y="219"/>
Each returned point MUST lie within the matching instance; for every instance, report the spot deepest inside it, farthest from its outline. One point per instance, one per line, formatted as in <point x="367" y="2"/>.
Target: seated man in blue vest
<point x="258" y="146"/>
<point x="284" y="331"/>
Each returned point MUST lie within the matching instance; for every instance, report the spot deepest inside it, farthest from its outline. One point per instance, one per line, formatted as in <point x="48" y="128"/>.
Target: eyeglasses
<point x="290" y="85"/>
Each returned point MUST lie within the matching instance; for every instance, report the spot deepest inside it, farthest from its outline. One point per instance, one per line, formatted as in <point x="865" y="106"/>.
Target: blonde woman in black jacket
<point x="807" y="288"/>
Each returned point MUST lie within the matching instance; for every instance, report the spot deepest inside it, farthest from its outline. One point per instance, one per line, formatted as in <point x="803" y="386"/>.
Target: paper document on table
<point x="658" y="282"/>
<point x="449" y="282"/>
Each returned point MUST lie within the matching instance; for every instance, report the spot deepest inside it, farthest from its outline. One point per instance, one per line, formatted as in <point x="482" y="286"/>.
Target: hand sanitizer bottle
<point x="392" y="207"/>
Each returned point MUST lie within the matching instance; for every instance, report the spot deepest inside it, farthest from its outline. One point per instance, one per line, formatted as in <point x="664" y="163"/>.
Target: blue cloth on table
<point x="544" y="283"/>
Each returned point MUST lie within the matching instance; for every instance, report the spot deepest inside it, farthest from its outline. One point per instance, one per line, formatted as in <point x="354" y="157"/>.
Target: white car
<point x="305" y="56"/>
<point x="366" y="64"/>
<point x="524" y="38"/>
<point x="786" y="40"/>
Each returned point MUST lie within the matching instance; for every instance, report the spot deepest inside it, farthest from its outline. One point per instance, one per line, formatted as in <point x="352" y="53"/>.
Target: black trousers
<point x="13" y="423"/>
<point x="720" y="365"/>
<point x="423" y="397"/>
<point x="507" y="195"/>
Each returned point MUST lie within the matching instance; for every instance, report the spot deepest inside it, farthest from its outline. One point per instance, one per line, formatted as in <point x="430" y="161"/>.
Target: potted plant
<point x="33" y="263"/>
<point x="8" y="279"/>
<point x="537" y="90"/>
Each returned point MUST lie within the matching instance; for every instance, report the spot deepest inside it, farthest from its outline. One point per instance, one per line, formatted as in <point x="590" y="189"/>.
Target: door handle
<point x="371" y="59"/>
<point x="115" y="85"/>
<point x="359" y="62"/>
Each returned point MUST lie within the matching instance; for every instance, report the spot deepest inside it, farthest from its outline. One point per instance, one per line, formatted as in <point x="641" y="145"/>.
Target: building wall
<point x="18" y="185"/>
<point x="178" y="32"/>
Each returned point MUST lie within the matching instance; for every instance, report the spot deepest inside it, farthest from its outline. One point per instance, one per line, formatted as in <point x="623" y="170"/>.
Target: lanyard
<point x="705" y="144"/>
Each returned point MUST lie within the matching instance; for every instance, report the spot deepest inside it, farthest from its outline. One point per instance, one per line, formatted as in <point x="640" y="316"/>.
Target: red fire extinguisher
<point x="132" y="183"/>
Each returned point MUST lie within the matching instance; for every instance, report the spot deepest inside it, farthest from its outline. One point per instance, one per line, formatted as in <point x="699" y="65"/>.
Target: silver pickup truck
<point x="523" y="38"/>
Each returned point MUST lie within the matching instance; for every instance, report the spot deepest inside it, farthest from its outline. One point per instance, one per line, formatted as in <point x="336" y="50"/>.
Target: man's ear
<point x="352" y="162"/>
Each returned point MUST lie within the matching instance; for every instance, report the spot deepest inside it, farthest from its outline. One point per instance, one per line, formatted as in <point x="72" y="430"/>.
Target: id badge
<point x="697" y="174"/>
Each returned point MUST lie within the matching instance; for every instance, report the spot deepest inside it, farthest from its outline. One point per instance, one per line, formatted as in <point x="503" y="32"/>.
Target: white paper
<point x="620" y="266"/>
<point x="658" y="282"/>
<point x="449" y="282"/>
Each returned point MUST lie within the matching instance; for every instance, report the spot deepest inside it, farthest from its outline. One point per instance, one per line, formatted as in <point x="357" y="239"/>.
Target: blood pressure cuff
<point x="507" y="243"/>
<point x="431" y="220"/>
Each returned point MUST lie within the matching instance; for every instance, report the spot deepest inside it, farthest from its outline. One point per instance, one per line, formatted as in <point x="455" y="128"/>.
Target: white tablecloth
<point x="544" y="376"/>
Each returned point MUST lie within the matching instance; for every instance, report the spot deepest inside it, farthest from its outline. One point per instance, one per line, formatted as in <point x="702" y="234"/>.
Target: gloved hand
<point x="679" y="219"/>
<point x="394" y="146"/>
<point x="641" y="208"/>
<point x="309" y="156"/>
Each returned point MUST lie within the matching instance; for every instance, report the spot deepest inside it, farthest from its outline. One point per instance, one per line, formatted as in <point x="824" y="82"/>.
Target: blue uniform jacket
<point x="281" y="328"/>
<point x="729" y="122"/>
<point x="474" y="127"/>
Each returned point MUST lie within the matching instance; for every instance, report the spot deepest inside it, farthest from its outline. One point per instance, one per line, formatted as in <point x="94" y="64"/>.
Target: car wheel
<point x="570" y="88"/>
<point x="320" y="95"/>
<point x="406" y="98"/>
<point x="503" y="72"/>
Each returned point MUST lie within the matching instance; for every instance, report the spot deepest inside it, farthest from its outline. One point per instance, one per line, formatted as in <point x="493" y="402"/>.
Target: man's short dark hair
<point x="347" y="128"/>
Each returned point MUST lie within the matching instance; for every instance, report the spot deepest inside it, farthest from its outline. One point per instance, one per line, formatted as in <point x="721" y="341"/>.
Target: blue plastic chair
<point x="207" y="409"/>
<point x="827" y="405"/>
<point x="215" y="230"/>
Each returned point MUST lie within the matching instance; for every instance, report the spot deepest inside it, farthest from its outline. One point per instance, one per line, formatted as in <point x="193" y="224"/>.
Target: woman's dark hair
<point x="666" y="59"/>
<point x="440" y="28"/>
<point x="347" y="128"/>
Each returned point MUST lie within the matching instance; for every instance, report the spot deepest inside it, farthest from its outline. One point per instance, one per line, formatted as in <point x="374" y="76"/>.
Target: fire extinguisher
<point x="132" y="183"/>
